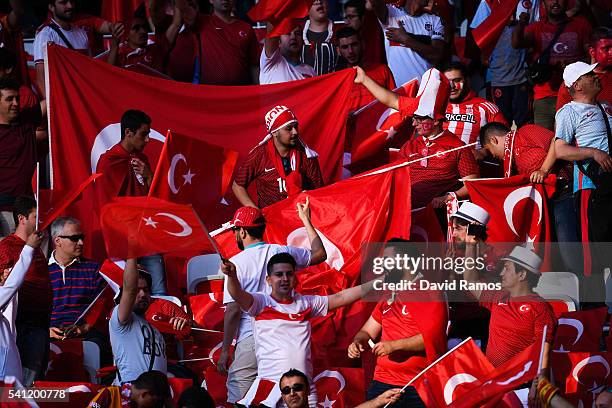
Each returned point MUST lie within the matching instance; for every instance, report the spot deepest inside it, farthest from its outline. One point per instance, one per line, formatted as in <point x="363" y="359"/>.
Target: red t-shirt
<point x="605" y="79"/>
<point x="181" y="61"/>
<point x="531" y="143"/>
<point x="516" y="323"/>
<point x="35" y="295"/>
<point x="18" y="157"/>
<point x="399" y="367"/>
<point x="570" y="47"/>
<point x="436" y="176"/>
<point x="464" y="119"/>
<point x="153" y="55"/>
<point x="27" y="98"/>
<point x="381" y="74"/>
<point x="259" y="167"/>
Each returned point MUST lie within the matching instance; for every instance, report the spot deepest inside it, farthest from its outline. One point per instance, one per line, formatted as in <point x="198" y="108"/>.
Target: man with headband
<point x="281" y="165"/>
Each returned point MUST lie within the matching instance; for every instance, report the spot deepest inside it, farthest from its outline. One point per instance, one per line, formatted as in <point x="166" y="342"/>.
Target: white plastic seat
<point x="559" y="283"/>
<point x="91" y="360"/>
<point x="202" y="268"/>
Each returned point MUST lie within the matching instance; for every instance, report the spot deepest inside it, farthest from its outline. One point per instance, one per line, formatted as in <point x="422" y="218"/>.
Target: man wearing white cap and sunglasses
<point x="518" y="314"/>
<point x="583" y="135"/>
<point x="281" y="165"/>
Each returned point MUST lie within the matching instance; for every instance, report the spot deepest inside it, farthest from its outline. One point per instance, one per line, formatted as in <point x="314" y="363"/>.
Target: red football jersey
<point x="436" y="176"/>
<point x="465" y="119"/>
<point x="259" y="167"/>
<point x="399" y="367"/>
<point x="516" y="323"/>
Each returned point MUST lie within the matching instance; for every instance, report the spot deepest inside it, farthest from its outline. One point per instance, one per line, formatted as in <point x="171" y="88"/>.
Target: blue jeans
<point x="566" y="228"/>
<point x="154" y="264"/>
<point x="33" y="345"/>
<point x="410" y="399"/>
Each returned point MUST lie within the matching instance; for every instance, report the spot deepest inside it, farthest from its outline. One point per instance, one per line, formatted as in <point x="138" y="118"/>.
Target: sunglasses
<point x="73" y="238"/>
<point x="296" y="388"/>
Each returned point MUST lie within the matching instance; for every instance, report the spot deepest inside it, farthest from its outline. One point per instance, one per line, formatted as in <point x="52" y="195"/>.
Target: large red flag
<point x="340" y="387"/>
<point x="518" y="210"/>
<point x="140" y="226"/>
<point x="487" y="33"/>
<point x="580" y="331"/>
<point x="454" y="375"/>
<point x="581" y="375"/>
<point x="233" y="117"/>
<point x="191" y="171"/>
<point x="282" y="14"/>
<point x="120" y="10"/>
<point x="208" y="310"/>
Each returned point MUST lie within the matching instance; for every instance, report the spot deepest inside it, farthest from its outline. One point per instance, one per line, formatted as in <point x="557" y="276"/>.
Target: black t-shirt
<point x="320" y="55"/>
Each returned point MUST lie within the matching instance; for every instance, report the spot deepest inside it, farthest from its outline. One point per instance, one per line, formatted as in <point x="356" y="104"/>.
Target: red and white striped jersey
<point x="465" y="119"/>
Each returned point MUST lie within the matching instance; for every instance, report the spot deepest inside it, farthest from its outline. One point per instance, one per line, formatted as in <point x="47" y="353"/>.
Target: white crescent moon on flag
<point x="574" y="323"/>
<point x="299" y="238"/>
<point x="181" y="222"/>
<point x="517" y="195"/>
<point x="587" y="361"/>
<point x="521" y="373"/>
<point x="383" y="118"/>
<point x="175" y="159"/>
<point x="332" y="374"/>
<point x="110" y="136"/>
<point x="453" y="382"/>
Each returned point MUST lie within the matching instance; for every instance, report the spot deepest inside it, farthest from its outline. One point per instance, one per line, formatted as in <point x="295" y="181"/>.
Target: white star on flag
<point x="188" y="176"/>
<point x="529" y="242"/>
<point x="390" y="133"/>
<point x="327" y="403"/>
<point x="149" y="221"/>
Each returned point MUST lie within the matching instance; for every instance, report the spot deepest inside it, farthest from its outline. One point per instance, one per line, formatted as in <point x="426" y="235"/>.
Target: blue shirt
<point x="507" y="65"/>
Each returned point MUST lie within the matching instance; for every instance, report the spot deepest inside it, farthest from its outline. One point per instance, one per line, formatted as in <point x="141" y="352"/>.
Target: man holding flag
<point x="281" y="165"/>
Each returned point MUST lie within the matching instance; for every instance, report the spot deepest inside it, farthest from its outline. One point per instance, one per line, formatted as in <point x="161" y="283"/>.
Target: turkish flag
<point x="140" y="226"/>
<point x="580" y="375"/>
<point x="377" y="127"/>
<point x="100" y="308"/>
<point x="120" y="10"/>
<point x="282" y="14"/>
<point x="340" y="387"/>
<point x="216" y="387"/>
<point x="518" y="370"/>
<point x="488" y="31"/>
<point x="580" y="331"/>
<point x="8" y="383"/>
<point x="66" y="361"/>
<point x="80" y="393"/>
<point x="233" y="119"/>
<point x="159" y="313"/>
<point x="112" y="272"/>
<point x="208" y="310"/>
<point x="192" y="171"/>
<point x="454" y="375"/>
<point x="177" y="386"/>
<point x="518" y="210"/>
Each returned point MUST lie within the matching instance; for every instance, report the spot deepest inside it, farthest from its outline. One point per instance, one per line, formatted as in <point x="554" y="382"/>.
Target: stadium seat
<point x="559" y="283"/>
<point x="560" y="303"/>
<point x="91" y="359"/>
<point x="202" y="268"/>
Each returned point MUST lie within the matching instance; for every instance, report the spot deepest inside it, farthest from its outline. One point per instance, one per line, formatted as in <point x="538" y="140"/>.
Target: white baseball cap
<point x="525" y="258"/>
<point x="574" y="71"/>
<point x="472" y="213"/>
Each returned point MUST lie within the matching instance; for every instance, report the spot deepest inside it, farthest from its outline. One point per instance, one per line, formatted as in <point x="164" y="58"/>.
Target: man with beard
<point x="280" y="59"/>
<point x="573" y="37"/>
<point x="281" y="165"/>
<point x="601" y="54"/>
<point x="137" y="345"/>
<point x="249" y="225"/>
<point x="467" y="113"/>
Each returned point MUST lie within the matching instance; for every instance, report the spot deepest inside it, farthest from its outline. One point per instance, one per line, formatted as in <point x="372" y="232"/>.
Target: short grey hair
<point x="58" y="225"/>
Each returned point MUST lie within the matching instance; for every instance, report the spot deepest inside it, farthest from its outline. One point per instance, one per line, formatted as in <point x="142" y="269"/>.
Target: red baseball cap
<point x="248" y="217"/>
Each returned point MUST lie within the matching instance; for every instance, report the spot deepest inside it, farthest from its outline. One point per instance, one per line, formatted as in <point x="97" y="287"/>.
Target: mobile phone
<point x="477" y="230"/>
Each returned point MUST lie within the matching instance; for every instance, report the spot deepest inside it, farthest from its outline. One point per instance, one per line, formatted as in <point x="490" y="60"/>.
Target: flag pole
<point x="37" y="192"/>
<point x="87" y="309"/>
<point x="206" y="330"/>
<point x="212" y="241"/>
<point x="375" y="101"/>
<point x="195" y="359"/>
<point x="157" y="174"/>
<point x="416" y="377"/>
<point x="407" y="163"/>
<point x="542" y="349"/>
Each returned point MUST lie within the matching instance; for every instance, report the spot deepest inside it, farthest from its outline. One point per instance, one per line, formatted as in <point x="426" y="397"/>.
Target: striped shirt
<point x="465" y="118"/>
<point x="74" y="288"/>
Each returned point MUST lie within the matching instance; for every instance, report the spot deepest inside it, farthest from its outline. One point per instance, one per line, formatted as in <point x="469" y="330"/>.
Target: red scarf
<point x="508" y="153"/>
<point x="293" y="181"/>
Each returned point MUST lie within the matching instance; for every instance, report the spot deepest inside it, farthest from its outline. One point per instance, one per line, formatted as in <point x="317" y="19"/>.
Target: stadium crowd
<point x="537" y="102"/>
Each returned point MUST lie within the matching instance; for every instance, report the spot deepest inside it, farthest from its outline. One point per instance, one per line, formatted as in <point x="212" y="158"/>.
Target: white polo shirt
<point x="276" y="69"/>
<point x="76" y="36"/>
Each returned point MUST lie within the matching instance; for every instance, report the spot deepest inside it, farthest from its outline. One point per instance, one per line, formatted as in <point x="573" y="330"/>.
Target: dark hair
<point x="155" y="382"/>
<point x="600" y="33"/>
<point x="294" y="373"/>
<point x="346" y="32"/>
<point x="255" y="232"/>
<point x="532" y="278"/>
<point x="9" y="83"/>
<point x="8" y="59"/>
<point x="23" y="205"/>
<point x="146" y="276"/>
<point x="195" y="397"/>
<point x="456" y="66"/>
<point x="133" y="119"/>
<point x="496" y="127"/>
<point x="356" y="4"/>
<point x="281" y="258"/>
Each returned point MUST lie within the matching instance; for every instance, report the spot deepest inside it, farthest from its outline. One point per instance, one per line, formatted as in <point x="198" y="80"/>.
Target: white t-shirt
<point x="132" y="344"/>
<point x="76" y="36"/>
<point x="276" y="69"/>
<point x="282" y="333"/>
<point x="406" y="64"/>
<point x="251" y="269"/>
